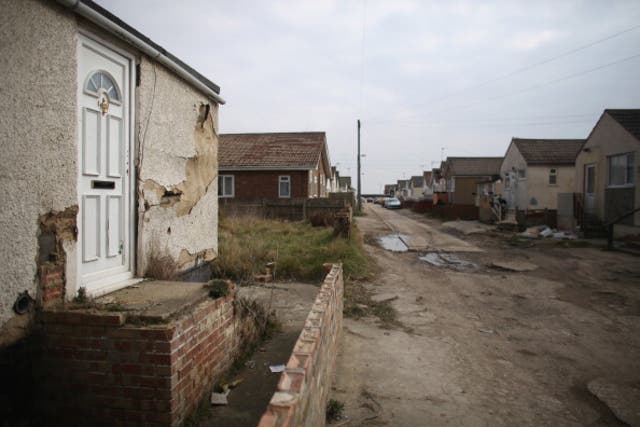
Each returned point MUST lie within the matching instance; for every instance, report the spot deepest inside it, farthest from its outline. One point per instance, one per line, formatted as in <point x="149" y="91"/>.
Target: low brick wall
<point x="454" y="212"/>
<point x="97" y="370"/>
<point x="303" y="389"/>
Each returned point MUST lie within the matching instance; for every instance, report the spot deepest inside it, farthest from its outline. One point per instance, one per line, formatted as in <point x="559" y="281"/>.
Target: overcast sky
<point x="421" y="75"/>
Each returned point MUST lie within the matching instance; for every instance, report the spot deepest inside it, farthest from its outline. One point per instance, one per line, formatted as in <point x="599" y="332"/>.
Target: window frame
<point x="629" y="170"/>
<point x="553" y="173"/>
<point x="521" y="174"/>
<point x="281" y="179"/>
<point x="221" y="179"/>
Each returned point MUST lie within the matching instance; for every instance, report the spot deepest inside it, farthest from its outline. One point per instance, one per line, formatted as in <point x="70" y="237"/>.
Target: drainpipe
<point x="86" y="12"/>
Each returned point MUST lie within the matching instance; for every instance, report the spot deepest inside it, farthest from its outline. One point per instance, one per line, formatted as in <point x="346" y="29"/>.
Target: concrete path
<point x="488" y="347"/>
<point x="417" y="236"/>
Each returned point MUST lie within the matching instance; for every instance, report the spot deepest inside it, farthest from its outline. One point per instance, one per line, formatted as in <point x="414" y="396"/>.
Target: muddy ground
<point x="474" y="345"/>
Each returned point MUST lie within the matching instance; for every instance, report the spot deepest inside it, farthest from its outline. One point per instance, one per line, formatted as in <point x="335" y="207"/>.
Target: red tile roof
<point x="284" y="150"/>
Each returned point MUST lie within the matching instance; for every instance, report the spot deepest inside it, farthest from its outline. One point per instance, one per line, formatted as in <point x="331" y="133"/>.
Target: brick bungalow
<point x="273" y="166"/>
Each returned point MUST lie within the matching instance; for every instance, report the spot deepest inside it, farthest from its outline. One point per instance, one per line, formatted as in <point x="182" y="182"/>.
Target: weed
<point x="218" y="288"/>
<point x="335" y="410"/>
<point x="159" y="265"/>
<point x="81" y="297"/>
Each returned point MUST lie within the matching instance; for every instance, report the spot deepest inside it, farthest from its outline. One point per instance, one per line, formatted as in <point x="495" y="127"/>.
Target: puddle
<point x="393" y="242"/>
<point x="451" y="261"/>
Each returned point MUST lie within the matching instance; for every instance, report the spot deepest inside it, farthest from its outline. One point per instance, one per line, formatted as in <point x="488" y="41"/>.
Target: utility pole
<point x="359" y="176"/>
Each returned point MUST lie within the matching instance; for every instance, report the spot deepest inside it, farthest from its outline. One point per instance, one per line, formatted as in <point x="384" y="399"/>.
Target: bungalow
<point x="344" y="184"/>
<point x="390" y="190"/>
<point x="462" y="175"/>
<point x="109" y="166"/>
<point x="115" y="167"/>
<point x="535" y="171"/>
<point x="416" y="187"/>
<point x="403" y="191"/>
<point x="427" y="191"/>
<point x="284" y="165"/>
<point x="607" y="172"/>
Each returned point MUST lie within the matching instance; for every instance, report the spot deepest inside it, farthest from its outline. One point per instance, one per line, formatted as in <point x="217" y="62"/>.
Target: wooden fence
<point x="318" y="211"/>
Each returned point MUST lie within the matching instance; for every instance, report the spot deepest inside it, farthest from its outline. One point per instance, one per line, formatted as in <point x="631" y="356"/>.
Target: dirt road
<point x="476" y="346"/>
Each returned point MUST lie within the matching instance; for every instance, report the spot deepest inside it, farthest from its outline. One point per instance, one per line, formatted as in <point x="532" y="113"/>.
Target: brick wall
<point x="254" y="185"/>
<point x="303" y="389"/>
<point x="95" y="367"/>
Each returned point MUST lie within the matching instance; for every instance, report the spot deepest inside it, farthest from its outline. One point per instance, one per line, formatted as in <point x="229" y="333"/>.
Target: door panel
<point x="103" y="181"/>
<point x="91" y="228"/>
<point x="114" y="146"/>
<point x="90" y="142"/>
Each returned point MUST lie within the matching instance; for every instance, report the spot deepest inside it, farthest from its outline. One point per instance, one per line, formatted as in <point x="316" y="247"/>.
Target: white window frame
<point x="629" y="177"/>
<point x="281" y="179"/>
<point x="221" y="179"/>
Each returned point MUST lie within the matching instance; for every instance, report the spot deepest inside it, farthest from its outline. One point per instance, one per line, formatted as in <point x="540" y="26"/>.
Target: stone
<point x="622" y="399"/>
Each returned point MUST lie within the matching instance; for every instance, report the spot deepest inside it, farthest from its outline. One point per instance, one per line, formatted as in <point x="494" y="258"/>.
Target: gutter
<point x="92" y="12"/>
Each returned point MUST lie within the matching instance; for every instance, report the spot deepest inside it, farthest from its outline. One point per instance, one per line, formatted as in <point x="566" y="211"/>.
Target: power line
<point x="530" y="66"/>
<point x="533" y="87"/>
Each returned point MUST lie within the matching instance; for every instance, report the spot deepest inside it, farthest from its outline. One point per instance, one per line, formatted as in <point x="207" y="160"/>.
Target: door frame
<point x="119" y="280"/>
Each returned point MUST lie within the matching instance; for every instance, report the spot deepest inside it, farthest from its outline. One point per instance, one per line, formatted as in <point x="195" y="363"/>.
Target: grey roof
<point x="403" y="183"/>
<point x="120" y="23"/>
<point x="286" y="150"/>
<point x="417" y="181"/>
<point x="473" y="166"/>
<point x="548" y="151"/>
<point x="628" y="119"/>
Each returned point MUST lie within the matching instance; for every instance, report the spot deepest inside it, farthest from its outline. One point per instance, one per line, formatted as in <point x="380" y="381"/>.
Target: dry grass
<point x="247" y="243"/>
<point x="159" y="265"/>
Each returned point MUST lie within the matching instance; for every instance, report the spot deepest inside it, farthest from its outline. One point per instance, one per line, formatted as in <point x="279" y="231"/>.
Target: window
<point x="522" y="173"/>
<point x="553" y="176"/>
<point x="621" y="170"/>
<point x="225" y="186"/>
<point x="102" y="82"/>
<point x="507" y="180"/>
<point x="284" y="186"/>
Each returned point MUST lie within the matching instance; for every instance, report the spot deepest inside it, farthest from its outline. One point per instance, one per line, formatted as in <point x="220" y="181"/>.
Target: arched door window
<point x="101" y="82"/>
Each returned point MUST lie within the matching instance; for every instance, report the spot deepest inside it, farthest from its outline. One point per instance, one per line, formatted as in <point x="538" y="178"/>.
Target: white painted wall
<point x="37" y="134"/>
<point x="607" y="138"/>
<point x="38" y="172"/>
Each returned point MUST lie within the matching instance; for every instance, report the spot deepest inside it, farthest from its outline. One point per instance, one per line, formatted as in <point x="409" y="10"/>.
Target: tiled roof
<point x="290" y="150"/>
<point x="548" y="151"/>
<point x="628" y="119"/>
<point x="473" y="166"/>
<point x="417" y="181"/>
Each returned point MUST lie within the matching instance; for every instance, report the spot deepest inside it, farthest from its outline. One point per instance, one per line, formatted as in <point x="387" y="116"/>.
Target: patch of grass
<point x="359" y="213"/>
<point x="335" y="410"/>
<point x="358" y="304"/>
<point x="299" y="250"/>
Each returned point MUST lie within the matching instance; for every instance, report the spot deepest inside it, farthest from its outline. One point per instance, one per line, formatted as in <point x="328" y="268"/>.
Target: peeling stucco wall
<point x="177" y="170"/>
<point x="37" y="136"/>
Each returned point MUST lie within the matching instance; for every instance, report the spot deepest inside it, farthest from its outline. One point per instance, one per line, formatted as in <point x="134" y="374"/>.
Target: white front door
<point x="104" y="118"/>
<point x="590" y="188"/>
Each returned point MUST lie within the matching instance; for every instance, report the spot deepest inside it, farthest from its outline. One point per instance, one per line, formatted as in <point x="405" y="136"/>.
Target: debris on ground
<point x="219" y="398"/>
<point x="545" y="231"/>
<point x="517" y="266"/>
<point x="623" y="400"/>
<point x="393" y="242"/>
<point x="487" y="331"/>
<point x="276" y="368"/>
<point x="454" y="262"/>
